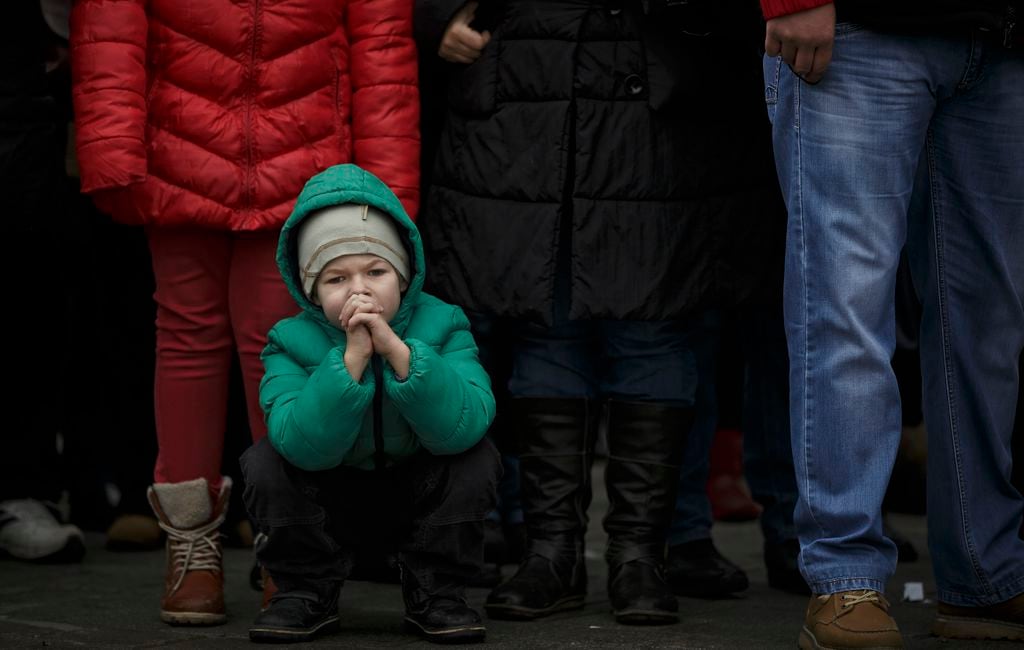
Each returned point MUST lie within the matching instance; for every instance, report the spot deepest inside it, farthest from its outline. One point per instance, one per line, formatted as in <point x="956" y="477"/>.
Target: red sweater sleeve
<point x="108" y="82"/>
<point x="385" y="96"/>
<point x="776" y="8"/>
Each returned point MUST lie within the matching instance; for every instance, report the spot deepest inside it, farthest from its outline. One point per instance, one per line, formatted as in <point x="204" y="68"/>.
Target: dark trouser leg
<point x="288" y="506"/>
<point x="694" y="566"/>
<point x="450" y="497"/>
<point x="768" y="455"/>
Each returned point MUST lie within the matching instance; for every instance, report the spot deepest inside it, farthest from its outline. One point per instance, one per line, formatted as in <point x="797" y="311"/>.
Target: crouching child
<point x="376" y="407"/>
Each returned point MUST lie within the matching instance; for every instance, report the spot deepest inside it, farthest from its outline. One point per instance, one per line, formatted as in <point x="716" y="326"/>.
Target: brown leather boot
<point x="1003" y="620"/>
<point x="849" y="619"/>
<point x="194" y="585"/>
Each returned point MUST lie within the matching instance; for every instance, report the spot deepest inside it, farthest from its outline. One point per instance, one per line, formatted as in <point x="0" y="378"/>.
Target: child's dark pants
<point x="429" y="509"/>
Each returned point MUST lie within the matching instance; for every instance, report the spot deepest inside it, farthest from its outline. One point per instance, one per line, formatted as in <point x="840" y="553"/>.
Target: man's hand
<point x="804" y="40"/>
<point x="461" y="43"/>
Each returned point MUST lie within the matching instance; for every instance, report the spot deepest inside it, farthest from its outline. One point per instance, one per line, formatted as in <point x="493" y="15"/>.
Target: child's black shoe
<point x="446" y="620"/>
<point x="295" y="616"/>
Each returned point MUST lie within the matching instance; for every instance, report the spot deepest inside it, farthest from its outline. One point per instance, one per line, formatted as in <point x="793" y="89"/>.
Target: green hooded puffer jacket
<point x="318" y="416"/>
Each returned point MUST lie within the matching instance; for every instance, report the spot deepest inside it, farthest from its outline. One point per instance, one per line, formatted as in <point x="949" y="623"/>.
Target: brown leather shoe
<point x="194" y="584"/>
<point x="1003" y="620"/>
<point x="849" y="619"/>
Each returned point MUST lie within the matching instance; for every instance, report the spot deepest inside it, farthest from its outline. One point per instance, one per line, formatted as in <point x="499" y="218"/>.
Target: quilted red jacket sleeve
<point x="385" y="98"/>
<point x="776" y="8"/>
<point x="108" y="51"/>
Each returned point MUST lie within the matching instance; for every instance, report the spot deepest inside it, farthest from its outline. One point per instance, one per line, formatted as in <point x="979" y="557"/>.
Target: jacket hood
<point x="339" y="185"/>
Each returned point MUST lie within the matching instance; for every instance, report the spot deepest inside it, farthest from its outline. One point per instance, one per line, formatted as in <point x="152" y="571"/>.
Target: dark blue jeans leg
<point x="692" y="518"/>
<point x="847" y="169"/>
<point x="968" y="263"/>
<point x="767" y="452"/>
<point x="562" y="361"/>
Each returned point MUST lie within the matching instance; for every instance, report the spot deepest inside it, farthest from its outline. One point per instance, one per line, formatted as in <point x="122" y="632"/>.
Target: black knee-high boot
<point x="645" y="449"/>
<point x="556" y="451"/>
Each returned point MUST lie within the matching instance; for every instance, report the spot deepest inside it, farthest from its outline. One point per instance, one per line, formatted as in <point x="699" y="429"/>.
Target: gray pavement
<point x="111" y="600"/>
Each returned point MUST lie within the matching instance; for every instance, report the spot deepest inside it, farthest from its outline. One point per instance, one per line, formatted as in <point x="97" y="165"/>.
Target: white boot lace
<point x="194" y="550"/>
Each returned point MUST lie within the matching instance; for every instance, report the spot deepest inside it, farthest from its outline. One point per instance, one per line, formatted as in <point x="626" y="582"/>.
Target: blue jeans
<point x="692" y="517"/>
<point x="847" y="151"/>
<point x="638" y="361"/>
<point x="767" y="457"/>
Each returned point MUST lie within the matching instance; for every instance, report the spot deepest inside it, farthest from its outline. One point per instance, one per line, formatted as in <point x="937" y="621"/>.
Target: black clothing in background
<point x="32" y="192"/>
<point x="624" y="130"/>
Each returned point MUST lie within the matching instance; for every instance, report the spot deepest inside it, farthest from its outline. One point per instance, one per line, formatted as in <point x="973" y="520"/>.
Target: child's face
<point x="365" y="274"/>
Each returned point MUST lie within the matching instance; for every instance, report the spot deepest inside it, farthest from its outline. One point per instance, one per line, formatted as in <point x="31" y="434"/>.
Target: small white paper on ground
<point x="913" y="592"/>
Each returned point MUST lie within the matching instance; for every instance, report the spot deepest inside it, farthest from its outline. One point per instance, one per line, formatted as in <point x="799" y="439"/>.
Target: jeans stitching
<point x="947" y="363"/>
<point x="966" y="79"/>
<point x="1005" y="591"/>
<point x="804" y="280"/>
<point x="833" y="581"/>
<point x="844" y="28"/>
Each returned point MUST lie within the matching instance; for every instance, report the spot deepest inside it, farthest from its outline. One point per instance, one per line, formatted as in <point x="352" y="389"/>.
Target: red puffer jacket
<point x="214" y="113"/>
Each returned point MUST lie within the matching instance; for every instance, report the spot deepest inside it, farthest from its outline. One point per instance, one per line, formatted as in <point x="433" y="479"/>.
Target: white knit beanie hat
<point x="348" y="229"/>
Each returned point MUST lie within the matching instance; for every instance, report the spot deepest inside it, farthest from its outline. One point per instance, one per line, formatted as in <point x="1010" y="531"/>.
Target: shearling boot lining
<point x="187" y="504"/>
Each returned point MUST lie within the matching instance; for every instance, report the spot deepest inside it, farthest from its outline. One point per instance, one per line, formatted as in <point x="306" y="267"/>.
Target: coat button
<point x="634" y="84"/>
<point x="616" y="11"/>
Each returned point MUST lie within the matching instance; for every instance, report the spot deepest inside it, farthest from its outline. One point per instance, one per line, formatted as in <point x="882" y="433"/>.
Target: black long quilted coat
<point x="638" y="148"/>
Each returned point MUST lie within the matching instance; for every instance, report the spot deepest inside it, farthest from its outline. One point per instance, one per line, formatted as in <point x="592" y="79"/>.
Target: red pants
<point x="216" y="292"/>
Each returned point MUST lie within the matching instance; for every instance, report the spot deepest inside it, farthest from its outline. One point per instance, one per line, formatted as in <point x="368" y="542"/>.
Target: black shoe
<point x="447" y="620"/>
<point x="783" y="570"/>
<point x="295" y="616"/>
<point x="639" y="595"/>
<point x="698" y="570"/>
<point x="538" y="589"/>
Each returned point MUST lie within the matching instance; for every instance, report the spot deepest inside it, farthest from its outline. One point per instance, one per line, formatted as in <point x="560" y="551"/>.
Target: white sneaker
<point x="29" y="531"/>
